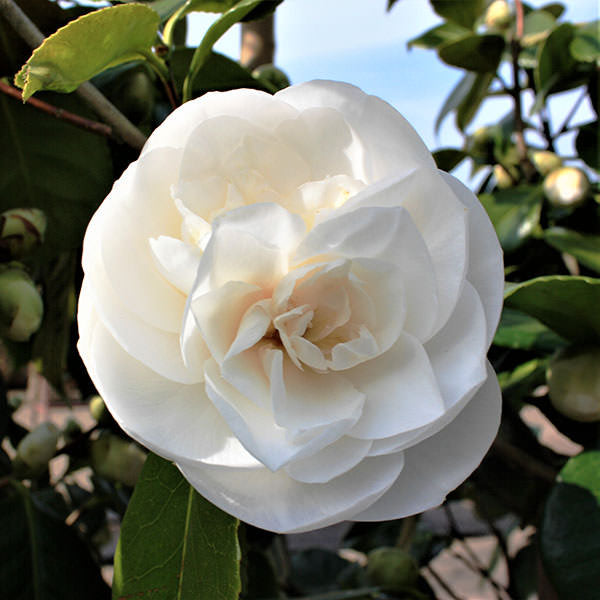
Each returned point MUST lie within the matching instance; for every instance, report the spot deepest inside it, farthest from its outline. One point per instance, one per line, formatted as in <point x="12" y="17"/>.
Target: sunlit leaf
<point x="438" y="35"/>
<point x="584" y="247"/>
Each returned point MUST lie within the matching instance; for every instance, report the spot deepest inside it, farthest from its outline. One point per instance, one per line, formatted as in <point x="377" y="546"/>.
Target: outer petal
<point x="390" y="145"/>
<point x="276" y="502"/>
<point x="485" y="269"/>
<point x="440" y="463"/>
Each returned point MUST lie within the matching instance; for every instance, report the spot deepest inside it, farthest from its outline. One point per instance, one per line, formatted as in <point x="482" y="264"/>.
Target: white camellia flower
<point x="284" y="296"/>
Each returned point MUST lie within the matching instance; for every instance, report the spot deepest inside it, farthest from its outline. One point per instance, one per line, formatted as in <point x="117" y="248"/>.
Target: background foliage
<point x="64" y="491"/>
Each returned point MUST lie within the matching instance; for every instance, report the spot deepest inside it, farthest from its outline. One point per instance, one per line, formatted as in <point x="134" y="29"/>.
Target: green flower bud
<point x="272" y="76"/>
<point x="21" y="306"/>
<point x="498" y="15"/>
<point x="38" y="446"/>
<point x="392" y="569"/>
<point x="116" y="459"/>
<point x="502" y="176"/>
<point x="21" y="230"/>
<point x="566" y="187"/>
<point x="545" y="161"/>
<point x="574" y="383"/>
<point x="98" y="409"/>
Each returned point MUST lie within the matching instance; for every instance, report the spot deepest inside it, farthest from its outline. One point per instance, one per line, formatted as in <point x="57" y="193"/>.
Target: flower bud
<point x="38" y="446"/>
<point x="566" y="187"/>
<point x="545" y="161"/>
<point x="574" y="383"/>
<point x="502" y="176"/>
<point x="116" y="459"/>
<point x="21" y="230"/>
<point x="97" y="408"/>
<point x="392" y="569"/>
<point x="21" y="306"/>
<point x="498" y="15"/>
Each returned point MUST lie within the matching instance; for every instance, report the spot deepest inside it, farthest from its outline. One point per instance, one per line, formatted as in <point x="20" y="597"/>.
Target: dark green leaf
<point x="568" y="305"/>
<point x="475" y="96"/>
<point x="479" y="53"/>
<point x="448" y="158"/>
<point x="67" y="178"/>
<point x="87" y="46"/>
<point x="586" y="43"/>
<point x="524" y="572"/>
<point x="556" y="9"/>
<point x="570" y="531"/>
<point x="455" y="98"/>
<point x="174" y="544"/>
<point x="588" y="144"/>
<point x="465" y="12"/>
<point x="438" y="35"/>
<point x="43" y="559"/>
<point x="518" y="384"/>
<point x="522" y="332"/>
<point x="585" y="248"/>
<point x="515" y="213"/>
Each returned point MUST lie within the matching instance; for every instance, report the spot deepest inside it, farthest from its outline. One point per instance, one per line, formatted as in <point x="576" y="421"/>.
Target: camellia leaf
<point x="67" y="178"/>
<point x="465" y="12"/>
<point x="587" y="144"/>
<point x="468" y="108"/>
<point x="570" y="530"/>
<point x="43" y="558"/>
<point x="479" y="53"/>
<point x="515" y="214"/>
<point x="87" y="46"/>
<point x="456" y="97"/>
<point x="438" y="35"/>
<point x="568" y="305"/>
<point x="522" y="332"/>
<point x="448" y="158"/>
<point x="536" y="27"/>
<point x="174" y="544"/>
<point x="586" y="43"/>
<point x="585" y="248"/>
<point x="556" y="9"/>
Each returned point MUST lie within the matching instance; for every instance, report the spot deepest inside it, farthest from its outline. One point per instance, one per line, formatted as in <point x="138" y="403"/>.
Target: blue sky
<point x="359" y="42"/>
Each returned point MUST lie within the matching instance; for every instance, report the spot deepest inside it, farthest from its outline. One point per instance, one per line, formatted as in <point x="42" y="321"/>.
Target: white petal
<point x="257" y="107"/>
<point x="332" y="461"/>
<point x="401" y="391"/>
<point x="391" y="145"/>
<point x="252" y="328"/>
<point x="485" y="270"/>
<point x="439" y="464"/>
<point x="276" y="502"/>
<point x="172" y="419"/>
<point x="177" y="261"/>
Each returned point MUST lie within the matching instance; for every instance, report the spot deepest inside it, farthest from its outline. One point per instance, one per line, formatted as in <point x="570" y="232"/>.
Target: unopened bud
<point x="392" y="569"/>
<point x="574" y="383"/>
<point x="21" y="306"/>
<point x="566" y="187"/>
<point x="21" y="230"/>
<point x="502" y="176"/>
<point x="38" y="446"/>
<point x="498" y="15"/>
<point x="545" y="161"/>
<point x="116" y="459"/>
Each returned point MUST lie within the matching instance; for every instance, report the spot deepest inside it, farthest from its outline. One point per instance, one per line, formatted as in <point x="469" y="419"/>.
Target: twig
<point x="59" y="113"/>
<point x="109" y="113"/>
<point x="571" y="114"/>
<point x="407" y="532"/>
<point x="546" y="129"/>
<point x="442" y="583"/>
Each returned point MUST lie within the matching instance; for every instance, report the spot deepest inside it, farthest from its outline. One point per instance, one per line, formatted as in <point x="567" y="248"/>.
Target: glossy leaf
<point x="570" y="530"/>
<point x="43" y="559"/>
<point x="449" y="158"/>
<point x="438" y="35"/>
<point x="475" y="96"/>
<point x="568" y="305"/>
<point x="67" y="178"/>
<point x="586" y="43"/>
<point x="455" y="98"/>
<point x="87" y="46"/>
<point x="515" y="214"/>
<point x="522" y="332"/>
<point x="465" y="12"/>
<point x="587" y="144"/>
<point x="585" y="248"/>
<point x="479" y="53"/>
<point x="174" y="544"/>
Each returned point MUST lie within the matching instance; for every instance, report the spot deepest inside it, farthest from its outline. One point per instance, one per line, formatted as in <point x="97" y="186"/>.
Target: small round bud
<point x="545" y="161"/>
<point x="498" y="15"/>
<point x="574" y="383"/>
<point x="21" y="306"/>
<point x="116" y="459"/>
<point x="38" y="446"/>
<point x="392" y="569"/>
<point x="98" y="408"/>
<point x="502" y="176"/>
<point x="566" y="187"/>
<point x="21" y="230"/>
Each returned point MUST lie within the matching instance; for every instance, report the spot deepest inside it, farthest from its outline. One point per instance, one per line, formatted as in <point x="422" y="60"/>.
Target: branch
<point x="59" y="113"/>
<point x="119" y="123"/>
